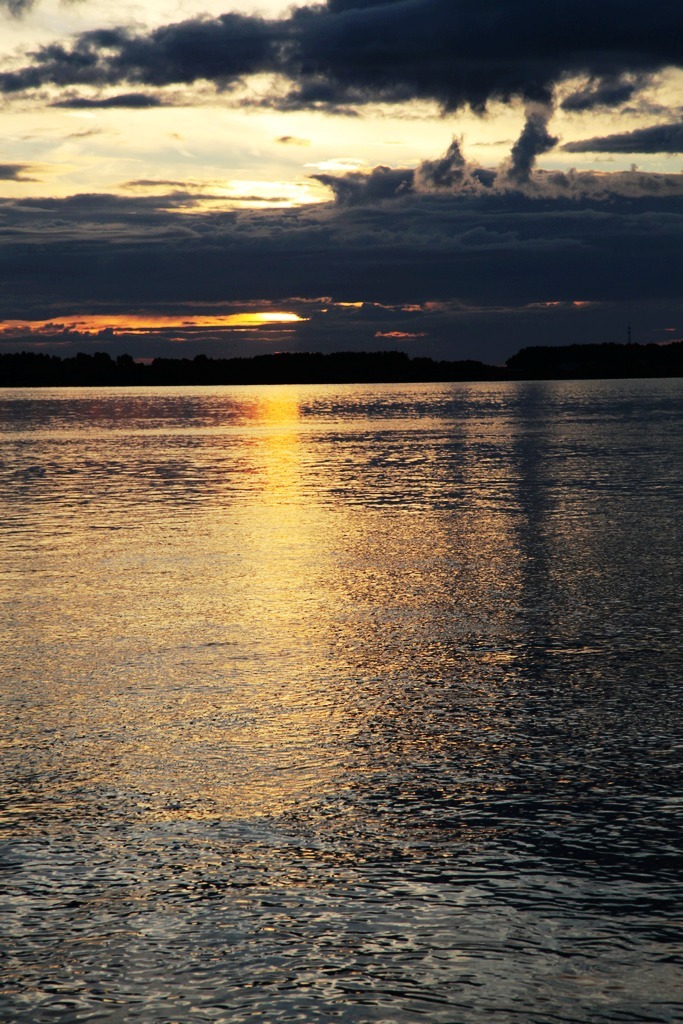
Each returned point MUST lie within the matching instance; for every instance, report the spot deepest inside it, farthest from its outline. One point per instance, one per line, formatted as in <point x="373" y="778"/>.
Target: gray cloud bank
<point x="350" y="52"/>
<point x="485" y="251"/>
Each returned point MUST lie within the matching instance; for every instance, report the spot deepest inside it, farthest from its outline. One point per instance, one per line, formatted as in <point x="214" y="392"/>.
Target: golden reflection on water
<point x="209" y="662"/>
<point x="278" y="450"/>
<point x="181" y="653"/>
<point x="227" y="607"/>
<point x="359" y="699"/>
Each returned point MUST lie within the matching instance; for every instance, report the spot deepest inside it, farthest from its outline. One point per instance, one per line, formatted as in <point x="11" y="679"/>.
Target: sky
<point x="452" y="178"/>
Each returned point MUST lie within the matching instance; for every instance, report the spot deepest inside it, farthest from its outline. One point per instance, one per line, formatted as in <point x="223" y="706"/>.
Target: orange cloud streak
<point x="133" y="324"/>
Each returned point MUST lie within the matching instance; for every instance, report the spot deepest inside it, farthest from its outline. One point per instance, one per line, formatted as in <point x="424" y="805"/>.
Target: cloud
<point x="15" y="172"/>
<point x="452" y="174"/>
<point x="608" y="91"/>
<point x="344" y="54"/>
<point x="401" y="335"/>
<point x="362" y="187"/>
<point x="495" y="262"/>
<point x="17" y="7"/>
<point x="220" y="50"/>
<point x="129" y="100"/>
<point x="447" y="172"/>
<point x="436" y="246"/>
<point x="155" y="183"/>
<point x="86" y="133"/>
<point x="534" y="140"/>
<point x="660" y="138"/>
<point x="293" y="140"/>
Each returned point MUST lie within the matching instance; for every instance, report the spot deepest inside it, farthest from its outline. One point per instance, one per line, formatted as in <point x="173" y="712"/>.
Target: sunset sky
<point x="453" y="178"/>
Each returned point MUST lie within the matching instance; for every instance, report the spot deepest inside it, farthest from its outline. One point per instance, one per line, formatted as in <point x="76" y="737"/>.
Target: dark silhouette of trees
<point x="33" y="369"/>
<point x="597" y="361"/>
<point x="29" y="369"/>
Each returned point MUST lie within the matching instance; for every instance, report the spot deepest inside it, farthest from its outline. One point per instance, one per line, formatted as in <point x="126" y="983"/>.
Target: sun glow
<point x="138" y="324"/>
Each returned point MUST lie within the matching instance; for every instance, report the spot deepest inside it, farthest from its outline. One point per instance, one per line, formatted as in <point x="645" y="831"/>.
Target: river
<point x="342" y="703"/>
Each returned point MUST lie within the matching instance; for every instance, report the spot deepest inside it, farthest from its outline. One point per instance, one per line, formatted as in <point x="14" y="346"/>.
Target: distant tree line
<point x="29" y="369"/>
<point x="597" y="361"/>
<point x="33" y="369"/>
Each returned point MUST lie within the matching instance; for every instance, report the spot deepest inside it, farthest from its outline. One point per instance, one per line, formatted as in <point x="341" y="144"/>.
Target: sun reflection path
<point x="277" y="417"/>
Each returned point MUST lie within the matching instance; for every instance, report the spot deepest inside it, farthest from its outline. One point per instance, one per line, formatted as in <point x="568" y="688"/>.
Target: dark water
<point x="342" y="704"/>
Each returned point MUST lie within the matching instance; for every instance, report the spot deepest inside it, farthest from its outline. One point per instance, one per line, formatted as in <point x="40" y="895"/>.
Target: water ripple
<point x="342" y="704"/>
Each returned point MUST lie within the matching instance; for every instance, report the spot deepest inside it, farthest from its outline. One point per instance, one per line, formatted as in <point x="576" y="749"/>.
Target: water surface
<point x="343" y="703"/>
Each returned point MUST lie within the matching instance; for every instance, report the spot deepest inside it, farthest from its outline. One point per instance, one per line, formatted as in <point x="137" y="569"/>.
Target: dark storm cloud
<point x="129" y="100"/>
<point x="660" y="138"/>
<point x="452" y="174"/>
<point x="342" y="53"/>
<point x="360" y="187"/>
<point x="609" y="91"/>
<point x="534" y="140"/>
<point x="449" y="171"/>
<point x="221" y="50"/>
<point x="493" y="248"/>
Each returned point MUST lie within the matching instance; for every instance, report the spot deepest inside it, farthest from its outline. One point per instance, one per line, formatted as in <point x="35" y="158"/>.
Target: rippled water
<point x="342" y="704"/>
